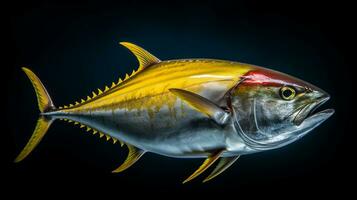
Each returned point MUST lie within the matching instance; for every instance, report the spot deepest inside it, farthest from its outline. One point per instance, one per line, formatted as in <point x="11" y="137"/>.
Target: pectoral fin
<point x="206" y="164"/>
<point x="202" y="105"/>
<point x="133" y="155"/>
<point x="223" y="164"/>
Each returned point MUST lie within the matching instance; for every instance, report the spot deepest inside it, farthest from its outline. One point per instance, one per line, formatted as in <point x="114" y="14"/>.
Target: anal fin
<point x="223" y="164"/>
<point x="205" y="165"/>
<point x="134" y="155"/>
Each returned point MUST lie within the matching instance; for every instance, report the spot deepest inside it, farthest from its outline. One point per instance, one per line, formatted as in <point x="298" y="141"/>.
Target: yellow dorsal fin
<point x="205" y="165"/>
<point x="144" y="57"/>
<point x="133" y="155"/>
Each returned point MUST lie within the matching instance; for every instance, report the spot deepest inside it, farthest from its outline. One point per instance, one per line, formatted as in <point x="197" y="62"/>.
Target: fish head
<point x="272" y="109"/>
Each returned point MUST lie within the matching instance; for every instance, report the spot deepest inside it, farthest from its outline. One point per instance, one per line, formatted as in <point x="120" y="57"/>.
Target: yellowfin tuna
<point x="190" y="108"/>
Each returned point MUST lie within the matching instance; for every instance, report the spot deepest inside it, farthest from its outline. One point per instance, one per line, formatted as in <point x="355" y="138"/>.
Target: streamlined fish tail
<point x="45" y="104"/>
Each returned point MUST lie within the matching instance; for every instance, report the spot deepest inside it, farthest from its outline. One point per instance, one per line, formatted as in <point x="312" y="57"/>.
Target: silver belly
<point x="177" y="132"/>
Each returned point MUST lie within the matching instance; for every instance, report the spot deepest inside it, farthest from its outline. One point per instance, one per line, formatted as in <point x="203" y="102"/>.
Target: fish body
<point x="190" y="108"/>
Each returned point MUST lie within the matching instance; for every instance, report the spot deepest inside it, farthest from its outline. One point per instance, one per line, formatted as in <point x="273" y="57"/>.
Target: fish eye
<point x="287" y="93"/>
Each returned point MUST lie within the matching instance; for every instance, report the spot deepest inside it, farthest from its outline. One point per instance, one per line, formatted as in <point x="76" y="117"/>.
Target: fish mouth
<point x="310" y="112"/>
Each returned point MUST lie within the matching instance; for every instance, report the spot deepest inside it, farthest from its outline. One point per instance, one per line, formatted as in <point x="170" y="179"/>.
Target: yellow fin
<point x="81" y="126"/>
<point x="113" y="85"/>
<point x="126" y="77"/>
<point x="144" y="57"/>
<point x="99" y="91"/>
<point x="119" y="81"/>
<point x="223" y="164"/>
<point x="41" y="128"/>
<point x="88" y="128"/>
<point x="88" y="98"/>
<point x="115" y="140"/>
<point x="101" y="134"/>
<point x="106" y="88"/>
<point x="133" y="155"/>
<point x="76" y="103"/>
<point x="94" y="94"/>
<point x="65" y="106"/>
<point x="207" y="163"/>
<point x="94" y="132"/>
<point x="107" y="137"/>
<point x="43" y="98"/>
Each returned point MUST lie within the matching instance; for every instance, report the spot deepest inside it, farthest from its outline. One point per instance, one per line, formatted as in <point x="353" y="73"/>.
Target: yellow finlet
<point x="205" y="165"/>
<point x="106" y="88"/>
<point x="107" y="137"/>
<point x="88" y="98"/>
<point x="88" y="129"/>
<point x="81" y="126"/>
<point x="223" y="164"/>
<point x="144" y="57"/>
<point x="99" y="91"/>
<point x="115" y="140"/>
<point x="101" y="134"/>
<point x="82" y="101"/>
<point x="119" y="81"/>
<point x="133" y="155"/>
<point x="94" y="132"/>
<point x="94" y="94"/>
<point x="113" y="85"/>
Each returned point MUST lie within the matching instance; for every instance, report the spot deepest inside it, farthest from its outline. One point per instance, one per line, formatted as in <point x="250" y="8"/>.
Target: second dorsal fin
<point x="144" y="57"/>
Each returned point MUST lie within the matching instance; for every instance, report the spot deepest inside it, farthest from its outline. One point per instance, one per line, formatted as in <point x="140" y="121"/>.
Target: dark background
<point x="73" y="48"/>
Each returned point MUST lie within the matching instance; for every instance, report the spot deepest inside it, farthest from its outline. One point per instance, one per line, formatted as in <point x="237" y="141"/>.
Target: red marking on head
<point x="268" y="77"/>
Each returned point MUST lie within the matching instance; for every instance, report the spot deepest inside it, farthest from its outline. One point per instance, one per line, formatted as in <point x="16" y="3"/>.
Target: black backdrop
<point x="74" y="49"/>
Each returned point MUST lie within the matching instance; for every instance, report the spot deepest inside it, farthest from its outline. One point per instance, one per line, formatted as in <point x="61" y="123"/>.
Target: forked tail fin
<point x="45" y="104"/>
